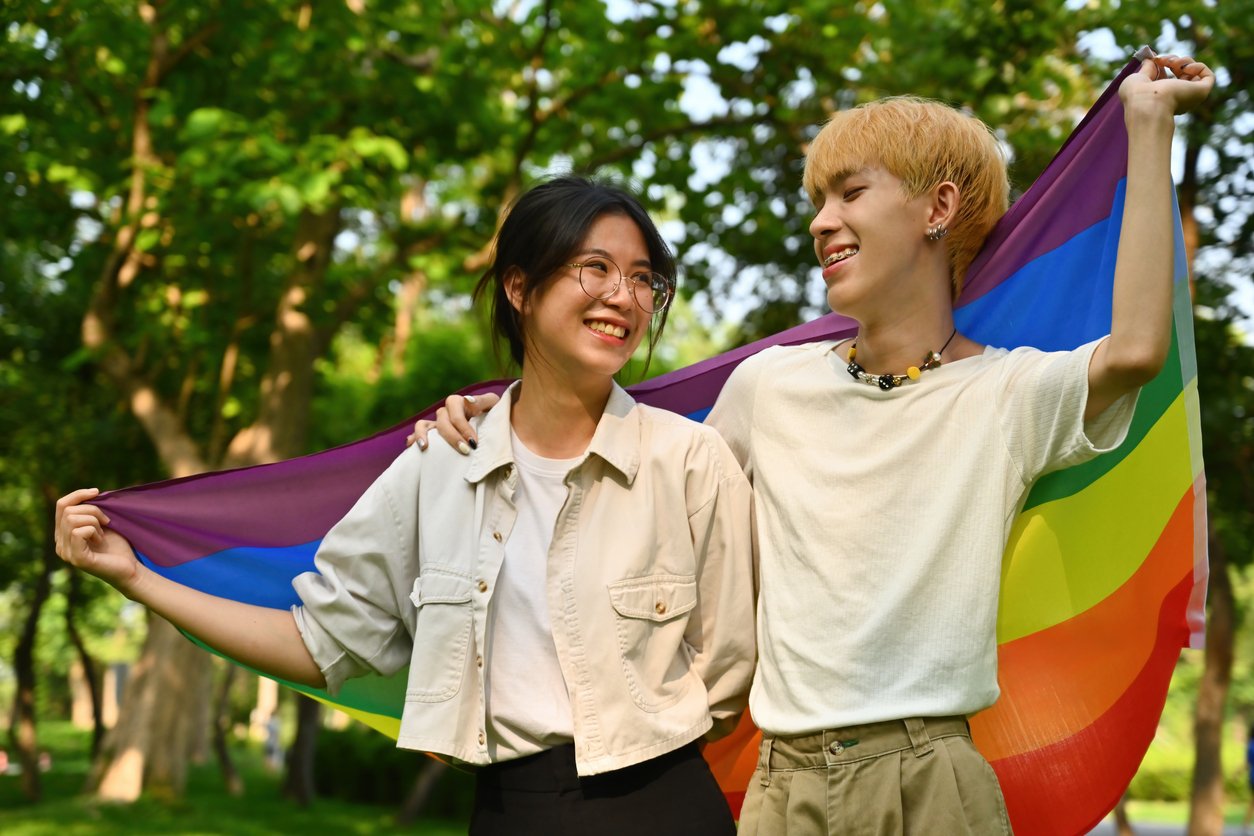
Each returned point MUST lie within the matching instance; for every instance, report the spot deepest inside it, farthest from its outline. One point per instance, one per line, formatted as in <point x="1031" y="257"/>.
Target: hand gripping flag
<point x="1102" y="581"/>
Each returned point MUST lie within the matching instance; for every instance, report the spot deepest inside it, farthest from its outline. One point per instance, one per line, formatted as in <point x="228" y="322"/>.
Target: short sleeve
<point x="1041" y="398"/>
<point x="732" y="414"/>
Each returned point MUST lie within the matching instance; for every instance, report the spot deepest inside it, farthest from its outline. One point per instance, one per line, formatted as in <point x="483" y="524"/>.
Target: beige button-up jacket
<point x="651" y="586"/>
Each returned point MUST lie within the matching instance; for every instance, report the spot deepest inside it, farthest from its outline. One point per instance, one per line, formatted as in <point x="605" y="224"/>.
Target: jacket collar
<point x="616" y="440"/>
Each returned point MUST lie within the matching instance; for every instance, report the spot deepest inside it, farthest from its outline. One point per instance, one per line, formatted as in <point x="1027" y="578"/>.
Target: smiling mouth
<point x="607" y="328"/>
<point x="840" y="256"/>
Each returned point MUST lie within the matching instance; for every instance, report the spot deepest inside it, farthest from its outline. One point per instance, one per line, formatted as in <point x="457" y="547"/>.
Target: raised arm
<point x="263" y="638"/>
<point x="1140" y="331"/>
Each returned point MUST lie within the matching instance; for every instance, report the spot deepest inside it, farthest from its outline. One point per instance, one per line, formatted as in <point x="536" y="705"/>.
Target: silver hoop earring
<point x="937" y="232"/>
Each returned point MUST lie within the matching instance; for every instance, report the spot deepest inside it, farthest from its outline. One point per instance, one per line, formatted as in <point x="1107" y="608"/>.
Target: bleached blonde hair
<point x="922" y="143"/>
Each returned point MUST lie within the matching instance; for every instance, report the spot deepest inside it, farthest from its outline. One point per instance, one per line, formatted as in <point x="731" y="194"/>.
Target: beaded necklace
<point x="892" y="381"/>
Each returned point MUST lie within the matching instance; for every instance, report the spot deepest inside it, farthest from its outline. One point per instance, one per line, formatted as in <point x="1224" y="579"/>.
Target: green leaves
<point x="403" y="131"/>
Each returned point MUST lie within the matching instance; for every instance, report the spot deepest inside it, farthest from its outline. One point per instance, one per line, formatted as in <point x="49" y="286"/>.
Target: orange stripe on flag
<point x="1069" y="786"/>
<point x="1057" y="681"/>
<point x="732" y="760"/>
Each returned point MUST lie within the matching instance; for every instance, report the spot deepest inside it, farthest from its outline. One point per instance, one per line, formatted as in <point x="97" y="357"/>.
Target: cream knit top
<point x="882" y="518"/>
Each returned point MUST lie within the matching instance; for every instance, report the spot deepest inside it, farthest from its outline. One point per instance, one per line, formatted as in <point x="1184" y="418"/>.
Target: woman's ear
<point x="515" y="284"/>
<point x="945" y="200"/>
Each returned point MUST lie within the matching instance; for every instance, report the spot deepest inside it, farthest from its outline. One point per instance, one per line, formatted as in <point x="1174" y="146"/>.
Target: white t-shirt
<point x="528" y="704"/>
<point x="882" y="518"/>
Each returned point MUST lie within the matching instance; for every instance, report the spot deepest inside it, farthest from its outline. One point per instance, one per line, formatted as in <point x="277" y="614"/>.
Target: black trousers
<point x="541" y="795"/>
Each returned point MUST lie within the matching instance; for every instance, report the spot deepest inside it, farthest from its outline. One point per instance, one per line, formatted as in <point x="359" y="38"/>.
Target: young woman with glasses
<point x="574" y="599"/>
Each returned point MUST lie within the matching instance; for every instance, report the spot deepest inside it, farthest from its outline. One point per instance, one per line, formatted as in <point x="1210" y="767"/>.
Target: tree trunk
<point x="1123" y="827"/>
<point x="1206" y="804"/>
<point x="150" y="746"/>
<point x="22" y="730"/>
<point x="299" y="783"/>
<point x="427" y="778"/>
<point x="222" y="731"/>
<point x="282" y="423"/>
<point x="200" y="746"/>
<point x="267" y="705"/>
<point x="91" y="675"/>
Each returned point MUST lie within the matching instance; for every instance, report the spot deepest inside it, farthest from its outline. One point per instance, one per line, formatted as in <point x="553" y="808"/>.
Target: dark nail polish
<point x="474" y="445"/>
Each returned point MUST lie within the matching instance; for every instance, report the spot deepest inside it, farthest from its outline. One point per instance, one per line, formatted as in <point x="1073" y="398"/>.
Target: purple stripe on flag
<point x="282" y="504"/>
<point x="695" y="387"/>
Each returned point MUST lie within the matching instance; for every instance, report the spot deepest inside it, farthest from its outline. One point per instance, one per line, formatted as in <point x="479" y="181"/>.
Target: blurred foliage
<point x="1166" y="772"/>
<point x="208" y="808"/>
<point x="362" y="766"/>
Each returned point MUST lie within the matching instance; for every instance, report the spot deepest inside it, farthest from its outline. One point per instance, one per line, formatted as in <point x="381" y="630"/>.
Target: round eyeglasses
<point x="600" y="277"/>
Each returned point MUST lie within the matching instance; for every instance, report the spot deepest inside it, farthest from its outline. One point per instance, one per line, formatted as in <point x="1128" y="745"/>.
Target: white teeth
<point x="840" y="256"/>
<point x="607" y="328"/>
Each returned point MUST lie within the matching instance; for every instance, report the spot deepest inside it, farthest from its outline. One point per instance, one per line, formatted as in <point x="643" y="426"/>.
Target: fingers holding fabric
<point x="1177" y="82"/>
<point x="71" y="516"/>
<point x="84" y="540"/>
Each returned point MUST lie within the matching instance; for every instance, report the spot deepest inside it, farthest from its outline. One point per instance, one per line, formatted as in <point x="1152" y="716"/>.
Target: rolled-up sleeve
<point x="355" y="614"/>
<point x="721" y="633"/>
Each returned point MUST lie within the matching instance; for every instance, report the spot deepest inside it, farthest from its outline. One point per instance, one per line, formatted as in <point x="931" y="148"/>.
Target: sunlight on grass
<point x="205" y="809"/>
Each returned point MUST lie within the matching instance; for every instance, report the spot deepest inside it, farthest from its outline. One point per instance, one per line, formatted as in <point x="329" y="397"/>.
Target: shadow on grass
<point x="206" y="807"/>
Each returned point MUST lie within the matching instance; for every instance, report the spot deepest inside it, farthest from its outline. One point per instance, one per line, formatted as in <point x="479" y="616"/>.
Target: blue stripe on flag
<point x="250" y="574"/>
<point x="1057" y="301"/>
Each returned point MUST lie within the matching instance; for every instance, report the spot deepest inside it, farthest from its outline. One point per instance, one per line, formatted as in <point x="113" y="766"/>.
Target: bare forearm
<point x="1140" y="333"/>
<point x="261" y="637"/>
<point x="1140" y="329"/>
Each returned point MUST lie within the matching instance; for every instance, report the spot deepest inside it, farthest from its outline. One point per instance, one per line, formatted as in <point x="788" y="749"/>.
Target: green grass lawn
<point x="205" y="809"/>
<point x="1176" y="812"/>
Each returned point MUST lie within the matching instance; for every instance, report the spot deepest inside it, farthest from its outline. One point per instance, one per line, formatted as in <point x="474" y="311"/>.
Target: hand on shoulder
<point x="452" y="422"/>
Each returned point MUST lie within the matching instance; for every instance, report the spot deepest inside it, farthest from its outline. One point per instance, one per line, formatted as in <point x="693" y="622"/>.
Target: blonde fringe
<point x="922" y="143"/>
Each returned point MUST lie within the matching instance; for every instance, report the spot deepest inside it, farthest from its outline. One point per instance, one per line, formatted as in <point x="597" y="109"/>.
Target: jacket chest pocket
<point x="650" y="620"/>
<point x="444" y="626"/>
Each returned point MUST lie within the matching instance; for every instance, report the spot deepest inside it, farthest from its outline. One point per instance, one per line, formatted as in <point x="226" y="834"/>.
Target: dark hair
<point x="543" y="230"/>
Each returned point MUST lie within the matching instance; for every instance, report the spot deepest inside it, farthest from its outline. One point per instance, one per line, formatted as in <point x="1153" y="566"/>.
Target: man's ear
<point x="945" y="200"/>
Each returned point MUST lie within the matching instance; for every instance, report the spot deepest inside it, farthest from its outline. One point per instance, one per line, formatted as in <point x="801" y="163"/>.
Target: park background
<point x="236" y="231"/>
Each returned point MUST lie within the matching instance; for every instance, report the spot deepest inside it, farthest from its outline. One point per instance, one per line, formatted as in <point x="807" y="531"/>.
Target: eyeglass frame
<point x="670" y="284"/>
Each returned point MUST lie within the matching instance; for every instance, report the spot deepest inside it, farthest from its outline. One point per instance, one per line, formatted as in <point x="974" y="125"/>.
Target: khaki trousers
<point x="915" y="776"/>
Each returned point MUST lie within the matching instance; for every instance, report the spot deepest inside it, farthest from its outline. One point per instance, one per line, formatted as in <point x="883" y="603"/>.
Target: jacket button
<point x="483" y="586"/>
<point x="836" y="748"/>
<point x="496" y="535"/>
<point x="482" y="739"/>
<point x="660" y="607"/>
<point x="479" y="662"/>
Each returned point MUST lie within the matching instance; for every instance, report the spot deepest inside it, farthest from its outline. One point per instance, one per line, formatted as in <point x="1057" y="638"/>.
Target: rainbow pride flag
<point x="1103" y="579"/>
